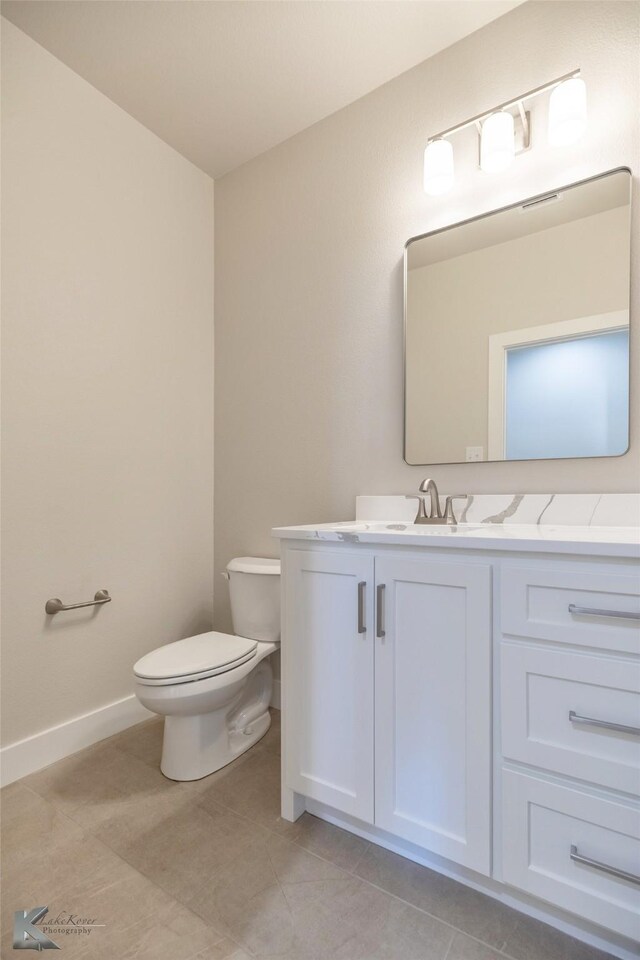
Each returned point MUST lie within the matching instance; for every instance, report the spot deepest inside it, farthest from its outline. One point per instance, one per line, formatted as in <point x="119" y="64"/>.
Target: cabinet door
<point x="433" y="707"/>
<point x="328" y="662"/>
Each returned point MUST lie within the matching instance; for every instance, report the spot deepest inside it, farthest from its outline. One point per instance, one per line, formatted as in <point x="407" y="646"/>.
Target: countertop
<point x="538" y="538"/>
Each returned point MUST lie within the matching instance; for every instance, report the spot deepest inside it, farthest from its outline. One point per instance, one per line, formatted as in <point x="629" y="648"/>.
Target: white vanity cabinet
<point x="472" y="700"/>
<point x="388" y="694"/>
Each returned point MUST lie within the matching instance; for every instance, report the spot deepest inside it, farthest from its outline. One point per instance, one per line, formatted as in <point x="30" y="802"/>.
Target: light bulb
<point x="497" y="142"/>
<point x="567" y="112"/>
<point x="438" y="167"/>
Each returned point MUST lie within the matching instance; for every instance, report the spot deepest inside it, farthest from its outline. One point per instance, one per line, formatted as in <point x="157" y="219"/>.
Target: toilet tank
<point x="254" y="588"/>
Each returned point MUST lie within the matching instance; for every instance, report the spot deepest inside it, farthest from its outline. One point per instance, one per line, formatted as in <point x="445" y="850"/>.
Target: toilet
<point x="214" y="689"/>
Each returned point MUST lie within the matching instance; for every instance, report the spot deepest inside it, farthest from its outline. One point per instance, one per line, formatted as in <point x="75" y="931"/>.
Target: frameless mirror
<point x="517" y="330"/>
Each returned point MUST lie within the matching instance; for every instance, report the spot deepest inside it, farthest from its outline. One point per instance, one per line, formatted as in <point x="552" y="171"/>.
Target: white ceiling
<point x="224" y="81"/>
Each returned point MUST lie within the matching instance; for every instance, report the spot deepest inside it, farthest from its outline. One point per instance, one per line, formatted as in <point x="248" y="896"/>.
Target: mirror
<point x="517" y="330"/>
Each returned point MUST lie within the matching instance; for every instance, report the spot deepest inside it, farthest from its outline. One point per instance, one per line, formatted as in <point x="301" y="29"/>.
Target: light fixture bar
<point x="517" y="101"/>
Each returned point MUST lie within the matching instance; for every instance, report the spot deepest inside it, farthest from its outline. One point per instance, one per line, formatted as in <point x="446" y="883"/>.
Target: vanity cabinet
<point x="475" y="708"/>
<point x="389" y="708"/>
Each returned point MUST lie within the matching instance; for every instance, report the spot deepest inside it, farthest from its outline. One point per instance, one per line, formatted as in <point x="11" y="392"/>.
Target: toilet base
<point x="192" y="749"/>
<point x="195" y="746"/>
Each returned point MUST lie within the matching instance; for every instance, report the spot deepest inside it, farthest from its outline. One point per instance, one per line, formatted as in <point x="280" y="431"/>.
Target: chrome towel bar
<point x="55" y="605"/>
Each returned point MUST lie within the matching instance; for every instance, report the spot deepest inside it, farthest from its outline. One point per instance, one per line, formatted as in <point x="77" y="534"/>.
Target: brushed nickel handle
<point x="422" y="507"/>
<point x="362" y="586"/>
<point x="594" y="612"/>
<point x="606" y="724"/>
<point x="449" y="514"/>
<point x="56" y="606"/>
<point x="380" y="610"/>
<point x="603" y="867"/>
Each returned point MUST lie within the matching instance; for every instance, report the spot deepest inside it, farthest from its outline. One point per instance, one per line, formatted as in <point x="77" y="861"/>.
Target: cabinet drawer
<point x="542" y="686"/>
<point x="572" y="606"/>
<point x="544" y="824"/>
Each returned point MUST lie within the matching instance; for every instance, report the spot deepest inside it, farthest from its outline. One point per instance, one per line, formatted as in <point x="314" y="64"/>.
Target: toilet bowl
<point x="214" y="689"/>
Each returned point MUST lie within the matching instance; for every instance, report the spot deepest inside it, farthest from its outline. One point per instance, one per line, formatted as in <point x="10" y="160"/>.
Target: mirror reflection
<point x="517" y="331"/>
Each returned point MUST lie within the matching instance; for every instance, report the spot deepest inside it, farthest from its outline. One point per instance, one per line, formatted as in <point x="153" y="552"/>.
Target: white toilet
<point x="214" y="689"/>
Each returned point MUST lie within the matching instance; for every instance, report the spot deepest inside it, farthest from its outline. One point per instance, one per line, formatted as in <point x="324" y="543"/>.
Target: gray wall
<point x="107" y="413"/>
<point x="308" y="263"/>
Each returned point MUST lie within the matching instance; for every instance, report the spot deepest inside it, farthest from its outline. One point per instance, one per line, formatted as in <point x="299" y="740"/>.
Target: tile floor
<point x="208" y="870"/>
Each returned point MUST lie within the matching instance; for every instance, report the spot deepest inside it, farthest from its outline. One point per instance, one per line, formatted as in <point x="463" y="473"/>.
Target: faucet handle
<point x="422" y="507"/>
<point x="450" y="516"/>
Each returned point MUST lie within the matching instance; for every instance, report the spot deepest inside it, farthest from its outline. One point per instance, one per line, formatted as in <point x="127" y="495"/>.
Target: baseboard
<point x="275" y="695"/>
<point x="33" y="753"/>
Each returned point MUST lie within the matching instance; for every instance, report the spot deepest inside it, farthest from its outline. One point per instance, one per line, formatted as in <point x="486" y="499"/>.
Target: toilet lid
<point x="194" y="658"/>
<point x="254" y="565"/>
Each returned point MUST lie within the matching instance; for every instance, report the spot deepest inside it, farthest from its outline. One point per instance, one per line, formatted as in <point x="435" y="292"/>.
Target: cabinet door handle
<point x="603" y="867"/>
<point x="606" y="724"/>
<point x="362" y="586"/>
<point x="380" y="610"/>
<point x="594" y="612"/>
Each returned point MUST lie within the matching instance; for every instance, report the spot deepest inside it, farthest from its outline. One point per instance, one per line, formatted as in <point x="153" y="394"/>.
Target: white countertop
<point x="527" y="537"/>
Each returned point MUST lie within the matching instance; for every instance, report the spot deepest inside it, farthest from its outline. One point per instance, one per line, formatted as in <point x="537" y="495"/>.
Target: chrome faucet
<point x="435" y="515"/>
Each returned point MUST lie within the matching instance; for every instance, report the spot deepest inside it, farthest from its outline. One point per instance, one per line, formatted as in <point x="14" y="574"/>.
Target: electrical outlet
<point x="474" y="453"/>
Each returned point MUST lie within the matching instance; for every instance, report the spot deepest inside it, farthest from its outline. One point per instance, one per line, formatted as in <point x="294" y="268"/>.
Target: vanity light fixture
<point x="567" y="112"/>
<point x="497" y="142"/>
<point x="505" y="131"/>
<point x="438" y="167"/>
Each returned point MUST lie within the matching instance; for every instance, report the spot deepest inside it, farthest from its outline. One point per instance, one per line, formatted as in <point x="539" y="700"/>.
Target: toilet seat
<point x="194" y="658"/>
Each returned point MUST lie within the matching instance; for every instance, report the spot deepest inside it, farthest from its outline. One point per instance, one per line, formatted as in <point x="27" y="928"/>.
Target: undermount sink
<point x="397" y="526"/>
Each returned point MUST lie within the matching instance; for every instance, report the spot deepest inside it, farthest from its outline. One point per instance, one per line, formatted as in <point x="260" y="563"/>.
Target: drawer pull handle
<point x="362" y="586"/>
<point x="607" y="724"/>
<point x="594" y="612"/>
<point x="603" y="867"/>
<point x="380" y="632"/>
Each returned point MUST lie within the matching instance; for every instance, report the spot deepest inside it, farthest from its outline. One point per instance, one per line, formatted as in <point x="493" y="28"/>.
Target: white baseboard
<point x="33" y="753"/>
<point x="275" y="695"/>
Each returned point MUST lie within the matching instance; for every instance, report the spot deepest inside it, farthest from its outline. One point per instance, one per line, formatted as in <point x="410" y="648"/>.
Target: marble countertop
<point x="528" y="537"/>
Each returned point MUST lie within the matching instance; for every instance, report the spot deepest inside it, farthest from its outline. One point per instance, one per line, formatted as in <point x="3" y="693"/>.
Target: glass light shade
<point x="438" y="168"/>
<point x="497" y="142"/>
<point x="567" y="112"/>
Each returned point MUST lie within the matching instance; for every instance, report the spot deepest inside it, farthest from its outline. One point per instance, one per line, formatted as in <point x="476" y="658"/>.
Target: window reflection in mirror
<point x="517" y="331"/>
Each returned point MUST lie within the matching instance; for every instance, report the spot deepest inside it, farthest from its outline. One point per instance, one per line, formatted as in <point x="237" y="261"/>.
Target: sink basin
<point x="397" y="526"/>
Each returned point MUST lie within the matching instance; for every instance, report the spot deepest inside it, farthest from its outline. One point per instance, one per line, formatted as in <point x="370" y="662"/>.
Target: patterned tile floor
<point x="209" y="870"/>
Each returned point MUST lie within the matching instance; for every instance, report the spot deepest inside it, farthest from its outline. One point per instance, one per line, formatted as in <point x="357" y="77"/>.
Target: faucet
<point x="435" y="515"/>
